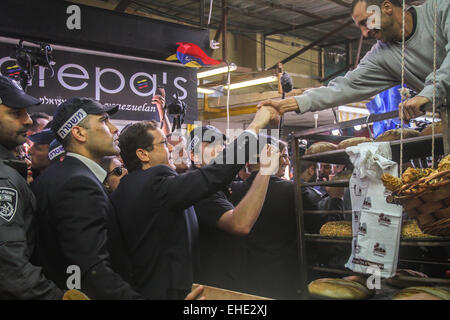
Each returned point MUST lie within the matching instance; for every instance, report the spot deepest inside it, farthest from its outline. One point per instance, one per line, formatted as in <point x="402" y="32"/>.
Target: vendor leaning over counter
<point x="380" y="69"/>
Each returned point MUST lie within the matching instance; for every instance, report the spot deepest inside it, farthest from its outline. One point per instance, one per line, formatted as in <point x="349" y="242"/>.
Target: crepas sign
<point x="127" y="82"/>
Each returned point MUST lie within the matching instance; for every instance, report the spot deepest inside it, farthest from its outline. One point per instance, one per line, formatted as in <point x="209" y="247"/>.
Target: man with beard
<point x="380" y="69"/>
<point x="19" y="279"/>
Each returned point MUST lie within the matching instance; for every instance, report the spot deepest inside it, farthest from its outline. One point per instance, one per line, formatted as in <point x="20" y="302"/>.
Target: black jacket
<point x="151" y="207"/>
<point x="74" y="215"/>
<point x="19" y="279"/>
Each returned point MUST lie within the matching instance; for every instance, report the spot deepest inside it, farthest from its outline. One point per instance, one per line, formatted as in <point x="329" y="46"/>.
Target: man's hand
<point x="263" y="117"/>
<point x="196" y="294"/>
<point x="160" y="102"/>
<point x="411" y="108"/>
<point x="282" y="106"/>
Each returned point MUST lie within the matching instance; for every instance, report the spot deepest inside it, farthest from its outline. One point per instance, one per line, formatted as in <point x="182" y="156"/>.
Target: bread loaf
<point x="338" y="289"/>
<point x="337" y="229"/>
<point x="394" y="134"/>
<point x="320" y="147"/>
<point x="75" y="295"/>
<point x="410" y="229"/>
<point x="429" y="130"/>
<point x="426" y="293"/>
<point x="353" y="142"/>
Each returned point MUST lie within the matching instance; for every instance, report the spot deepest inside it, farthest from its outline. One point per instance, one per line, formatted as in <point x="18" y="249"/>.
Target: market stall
<point x="341" y="232"/>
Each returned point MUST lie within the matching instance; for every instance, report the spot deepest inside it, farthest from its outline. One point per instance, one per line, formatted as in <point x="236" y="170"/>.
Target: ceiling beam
<point x="308" y="24"/>
<point x="122" y="5"/>
<point x="312" y="44"/>
<point x="341" y="3"/>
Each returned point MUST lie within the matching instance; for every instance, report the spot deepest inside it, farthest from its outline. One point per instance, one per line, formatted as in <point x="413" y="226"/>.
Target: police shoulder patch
<point x="8" y="203"/>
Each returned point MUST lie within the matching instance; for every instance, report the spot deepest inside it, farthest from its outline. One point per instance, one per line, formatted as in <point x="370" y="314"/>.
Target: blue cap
<point x="43" y="137"/>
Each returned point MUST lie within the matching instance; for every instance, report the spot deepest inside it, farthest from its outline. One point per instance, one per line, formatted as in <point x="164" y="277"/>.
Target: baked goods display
<point x="342" y="289"/>
<point x="429" y="130"/>
<point x="353" y="142"/>
<point x="423" y="293"/>
<point x="337" y="229"/>
<point x="320" y="147"/>
<point x="424" y="195"/>
<point x="410" y="230"/>
<point x="444" y="164"/>
<point x="394" y="134"/>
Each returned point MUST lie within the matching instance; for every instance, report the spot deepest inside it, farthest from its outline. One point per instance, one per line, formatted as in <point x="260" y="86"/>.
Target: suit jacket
<point x="151" y="208"/>
<point x="74" y="215"/>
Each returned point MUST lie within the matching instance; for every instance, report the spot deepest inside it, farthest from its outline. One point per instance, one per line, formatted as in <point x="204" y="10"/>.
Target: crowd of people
<point x="74" y="191"/>
<point x="143" y="213"/>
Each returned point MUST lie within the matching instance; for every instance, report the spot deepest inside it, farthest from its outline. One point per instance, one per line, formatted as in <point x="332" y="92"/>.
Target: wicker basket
<point x="428" y="202"/>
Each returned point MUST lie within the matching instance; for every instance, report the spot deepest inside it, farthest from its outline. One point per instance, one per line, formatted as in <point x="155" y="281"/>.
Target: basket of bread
<point x="424" y="195"/>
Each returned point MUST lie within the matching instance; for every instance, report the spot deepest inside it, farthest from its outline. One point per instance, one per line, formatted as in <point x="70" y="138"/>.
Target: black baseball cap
<point x="45" y="136"/>
<point x="13" y="96"/>
<point x="205" y="134"/>
<point x="71" y="112"/>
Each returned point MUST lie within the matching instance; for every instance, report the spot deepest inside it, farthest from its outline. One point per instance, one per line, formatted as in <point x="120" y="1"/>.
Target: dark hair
<point x="305" y="165"/>
<point x="396" y="3"/>
<point x="136" y="136"/>
<point x="35" y="116"/>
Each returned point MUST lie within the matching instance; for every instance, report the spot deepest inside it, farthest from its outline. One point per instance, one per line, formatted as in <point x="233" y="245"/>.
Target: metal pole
<point x="303" y="277"/>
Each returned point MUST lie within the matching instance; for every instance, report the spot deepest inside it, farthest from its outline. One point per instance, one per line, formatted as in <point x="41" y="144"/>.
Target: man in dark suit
<point x="151" y="203"/>
<point x="74" y="213"/>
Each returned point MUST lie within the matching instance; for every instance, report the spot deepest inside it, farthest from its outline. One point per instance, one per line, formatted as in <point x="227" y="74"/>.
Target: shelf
<point x="335" y="157"/>
<point x="334" y="183"/>
<point x="327" y="211"/>
<point x="431" y="242"/>
<point x="413" y="148"/>
<point x="418" y="147"/>
<point x="405" y="278"/>
<point x="327" y="137"/>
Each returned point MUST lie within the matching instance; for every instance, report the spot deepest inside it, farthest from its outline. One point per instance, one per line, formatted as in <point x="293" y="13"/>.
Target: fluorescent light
<point x="358" y="127"/>
<point x="205" y="91"/>
<point x="253" y="82"/>
<point x="353" y="110"/>
<point x="213" y="72"/>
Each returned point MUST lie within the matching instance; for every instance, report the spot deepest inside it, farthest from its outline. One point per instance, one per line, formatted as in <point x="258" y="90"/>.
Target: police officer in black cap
<point x="19" y="279"/>
<point x="74" y="211"/>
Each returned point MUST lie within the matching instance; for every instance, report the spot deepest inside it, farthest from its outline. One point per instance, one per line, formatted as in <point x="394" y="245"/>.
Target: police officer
<point x="19" y="279"/>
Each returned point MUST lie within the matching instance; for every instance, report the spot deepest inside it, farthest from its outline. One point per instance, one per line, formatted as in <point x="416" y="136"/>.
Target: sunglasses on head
<point x="118" y="171"/>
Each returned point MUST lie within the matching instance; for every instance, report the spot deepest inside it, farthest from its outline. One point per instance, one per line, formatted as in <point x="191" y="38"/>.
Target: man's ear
<point x="142" y="155"/>
<point x="79" y="133"/>
<point x="387" y="7"/>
